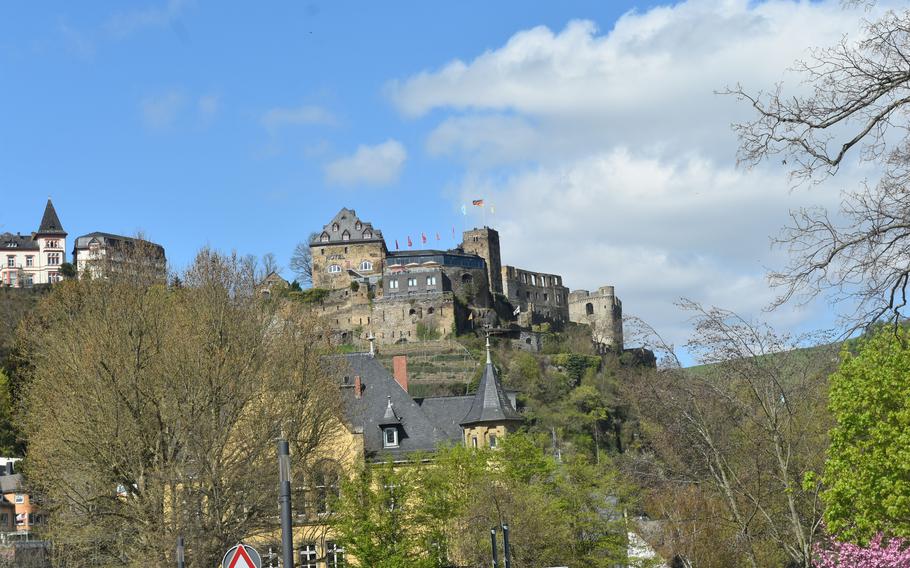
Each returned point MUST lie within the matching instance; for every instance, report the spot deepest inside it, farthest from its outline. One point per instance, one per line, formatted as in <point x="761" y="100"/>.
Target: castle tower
<point x="485" y="244"/>
<point x="601" y="310"/>
<point x="491" y="415"/>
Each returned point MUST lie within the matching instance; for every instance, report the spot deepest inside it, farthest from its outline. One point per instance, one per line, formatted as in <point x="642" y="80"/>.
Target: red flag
<point x="437" y="235"/>
<point x="423" y="237"/>
<point x="396" y="244"/>
<point x="477" y="202"/>
<point x="410" y="244"/>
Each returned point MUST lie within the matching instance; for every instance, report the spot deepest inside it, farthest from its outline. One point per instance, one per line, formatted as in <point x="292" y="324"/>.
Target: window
<point x="308" y="555"/>
<point x="357" y="226"/>
<point x="431" y="280"/>
<point x="14" y="279"/>
<point x="334" y="227"/>
<point x="52" y="244"/>
<point x="345" y="236"/>
<point x="466" y="278"/>
<point x="368" y="234"/>
<point x="334" y="555"/>
<point x="393" y="284"/>
<point x="334" y="268"/>
<point x="412" y="282"/>
<point x="430" y="310"/>
<point x="30" y="260"/>
<point x="366" y="265"/>
<point x="11" y="261"/>
<point x="546" y="297"/>
<point x="412" y="312"/>
<point x="474" y="442"/>
<point x="28" y="279"/>
<point x="534" y="279"/>
<point x="589" y="308"/>
<point x="325" y="486"/>
<point x="390" y="437"/>
<point x="53" y="258"/>
<point x="20" y="499"/>
<point x="492" y="441"/>
<point x="324" y="238"/>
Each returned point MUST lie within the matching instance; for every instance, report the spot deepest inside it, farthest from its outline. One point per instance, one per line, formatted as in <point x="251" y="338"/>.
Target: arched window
<point x="430" y="310"/>
<point x="334" y="268"/>
<point x="412" y="312"/>
<point x="345" y="236"/>
<point x="466" y="278"/>
<point x="366" y="265"/>
<point x="589" y="308"/>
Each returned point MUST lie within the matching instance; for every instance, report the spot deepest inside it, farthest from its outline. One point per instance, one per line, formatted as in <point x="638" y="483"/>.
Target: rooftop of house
<point x="50" y="222"/>
<point x="9" y="241"/>
<point x="111" y="240"/>
<point x="346" y="227"/>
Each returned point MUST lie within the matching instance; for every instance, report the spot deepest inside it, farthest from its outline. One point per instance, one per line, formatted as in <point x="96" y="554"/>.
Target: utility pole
<point x="506" y="549"/>
<point x="495" y="551"/>
<point x="180" y="559"/>
<point x="284" y="499"/>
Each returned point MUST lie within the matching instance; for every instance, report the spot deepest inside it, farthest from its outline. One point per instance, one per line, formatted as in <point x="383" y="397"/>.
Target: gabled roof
<point x="347" y="221"/>
<point x="50" y="223"/>
<point x="490" y="404"/>
<point x="11" y="242"/>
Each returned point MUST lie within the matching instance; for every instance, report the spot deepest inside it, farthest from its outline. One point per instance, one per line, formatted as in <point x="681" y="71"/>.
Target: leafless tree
<point x="269" y="264"/>
<point x="737" y="444"/>
<point x="302" y="261"/>
<point x="856" y="108"/>
<point x="152" y="411"/>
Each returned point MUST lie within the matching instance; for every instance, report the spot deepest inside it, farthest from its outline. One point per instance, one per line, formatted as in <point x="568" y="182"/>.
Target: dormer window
<point x="357" y="226"/>
<point x="324" y="238"/>
<point x="334" y="227"/>
<point x="368" y="234"/>
<point x="390" y="437"/>
<point x="345" y="236"/>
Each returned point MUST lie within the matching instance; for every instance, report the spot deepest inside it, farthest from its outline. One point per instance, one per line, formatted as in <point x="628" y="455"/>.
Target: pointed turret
<point x="50" y="223"/>
<point x="491" y="405"/>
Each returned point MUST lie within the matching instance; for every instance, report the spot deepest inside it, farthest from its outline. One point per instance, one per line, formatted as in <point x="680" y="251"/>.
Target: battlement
<point x="601" y="310"/>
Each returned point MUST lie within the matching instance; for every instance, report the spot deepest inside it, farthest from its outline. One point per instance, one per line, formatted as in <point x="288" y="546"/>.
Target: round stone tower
<point x="601" y="310"/>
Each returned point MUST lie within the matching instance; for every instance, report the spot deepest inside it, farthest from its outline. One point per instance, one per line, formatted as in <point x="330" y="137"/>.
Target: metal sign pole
<point x="506" y="549"/>
<point x="180" y="559"/>
<point x="284" y="499"/>
<point x="495" y="552"/>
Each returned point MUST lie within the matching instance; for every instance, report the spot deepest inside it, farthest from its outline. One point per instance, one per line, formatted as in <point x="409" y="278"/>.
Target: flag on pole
<point x="410" y="244"/>
<point x="492" y="210"/>
<point x="423" y="237"/>
<point x="464" y="209"/>
<point x="477" y="202"/>
<point x="396" y="244"/>
<point x="437" y="235"/>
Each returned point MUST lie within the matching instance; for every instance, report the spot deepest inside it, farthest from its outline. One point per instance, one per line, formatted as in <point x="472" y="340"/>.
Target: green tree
<point x="8" y="433"/>
<point x="867" y="486"/>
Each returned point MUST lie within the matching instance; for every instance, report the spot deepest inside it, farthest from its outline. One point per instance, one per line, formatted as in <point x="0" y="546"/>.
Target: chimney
<point x="400" y="370"/>
<point x="358" y="387"/>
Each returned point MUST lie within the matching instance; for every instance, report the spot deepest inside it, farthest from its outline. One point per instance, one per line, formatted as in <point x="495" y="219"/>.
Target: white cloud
<point x="369" y="165"/>
<point x="277" y="118"/>
<point x="123" y="24"/>
<point x="160" y="112"/>
<point x="208" y="106"/>
<point x="610" y="158"/>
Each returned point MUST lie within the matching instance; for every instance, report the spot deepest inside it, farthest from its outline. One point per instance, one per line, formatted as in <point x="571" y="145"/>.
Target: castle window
<point x="334" y="268"/>
<point x="412" y="312"/>
<point x="545" y="297"/>
<point x="466" y="278"/>
<point x="474" y="442"/>
<point x="430" y="310"/>
<point x="390" y="437"/>
<point x="412" y="282"/>
<point x="324" y="237"/>
<point x="393" y="284"/>
<point x="368" y="234"/>
<point x="431" y="280"/>
<point x="334" y="227"/>
<point x="366" y="265"/>
<point x="589" y="308"/>
<point x="534" y="279"/>
<point x="357" y="226"/>
<point x="345" y="236"/>
<point x="492" y="440"/>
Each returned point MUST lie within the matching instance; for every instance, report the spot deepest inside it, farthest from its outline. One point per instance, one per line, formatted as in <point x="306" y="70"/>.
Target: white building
<point x="96" y="252"/>
<point x="35" y="258"/>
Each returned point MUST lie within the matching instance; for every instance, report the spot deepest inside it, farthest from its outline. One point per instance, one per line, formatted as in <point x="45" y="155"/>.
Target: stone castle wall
<point x="541" y="296"/>
<point x="602" y="311"/>
<point x="348" y="256"/>
<point x="485" y="244"/>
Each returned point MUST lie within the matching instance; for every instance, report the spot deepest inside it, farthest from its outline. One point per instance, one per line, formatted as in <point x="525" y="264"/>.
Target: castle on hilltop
<point x="413" y="295"/>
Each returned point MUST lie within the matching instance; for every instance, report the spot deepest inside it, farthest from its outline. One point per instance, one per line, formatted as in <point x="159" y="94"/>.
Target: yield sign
<point x="242" y="556"/>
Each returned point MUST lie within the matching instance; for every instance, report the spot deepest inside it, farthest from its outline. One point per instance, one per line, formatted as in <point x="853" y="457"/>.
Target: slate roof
<point x="11" y="483"/>
<point x="370" y="412"/>
<point x="347" y="221"/>
<point x="50" y="223"/>
<point x="446" y="412"/>
<point x="490" y="404"/>
<point x="17" y="242"/>
<point x="112" y="240"/>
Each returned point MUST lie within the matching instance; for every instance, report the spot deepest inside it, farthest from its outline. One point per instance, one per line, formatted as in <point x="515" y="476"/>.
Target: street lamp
<point x="180" y="559"/>
<point x="506" y="549"/>
<point x="284" y="499"/>
<point x="495" y="551"/>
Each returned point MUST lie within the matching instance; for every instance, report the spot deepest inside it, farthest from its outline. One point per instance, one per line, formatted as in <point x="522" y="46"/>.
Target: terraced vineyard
<point x="434" y="367"/>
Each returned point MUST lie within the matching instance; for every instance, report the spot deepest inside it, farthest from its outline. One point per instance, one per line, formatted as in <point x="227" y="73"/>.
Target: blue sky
<point x="593" y="127"/>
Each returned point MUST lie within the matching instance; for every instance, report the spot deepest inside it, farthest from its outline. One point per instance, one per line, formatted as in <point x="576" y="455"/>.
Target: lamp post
<point x="495" y="551"/>
<point x="180" y="559"/>
<point x="506" y="549"/>
<point x="284" y="499"/>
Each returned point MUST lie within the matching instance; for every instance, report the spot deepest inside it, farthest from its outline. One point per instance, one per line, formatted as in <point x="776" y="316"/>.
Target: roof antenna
<point x="372" y="339"/>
